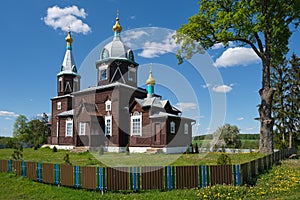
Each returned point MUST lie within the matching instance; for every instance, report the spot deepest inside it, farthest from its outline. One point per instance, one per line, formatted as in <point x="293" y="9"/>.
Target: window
<point x="131" y="75"/>
<point x="104" y="54"/>
<point x="69" y="128"/>
<point x="57" y="129"/>
<point x="136" y="124"/>
<point x="186" y="128"/>
<point x="172" y="127"/>
<point x="76" y="84"/>
<point x="82" y="128"/>
<point x="58" y="106"/>
<point x="103" y="74"/>
<point x="60" y="84"/>
<point x="108" y="105"/>
<point x="108" y="123"/>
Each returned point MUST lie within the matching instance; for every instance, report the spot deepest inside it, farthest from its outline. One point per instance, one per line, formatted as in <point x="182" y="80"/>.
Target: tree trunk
<point x="290" y="139"/>
<point x="266" y="122"/>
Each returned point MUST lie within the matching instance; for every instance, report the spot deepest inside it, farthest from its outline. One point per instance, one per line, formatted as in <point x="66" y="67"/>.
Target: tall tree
<point x="263" y="25"/>
<point x="229" y="135"/>
<point x="20" y="127"/>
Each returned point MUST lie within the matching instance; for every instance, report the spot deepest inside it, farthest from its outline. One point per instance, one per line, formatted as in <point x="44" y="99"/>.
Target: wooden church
<point x="116" y="112"/>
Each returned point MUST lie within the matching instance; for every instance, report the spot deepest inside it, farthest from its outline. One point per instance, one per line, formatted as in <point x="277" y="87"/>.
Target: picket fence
<point x="143" y="178"/>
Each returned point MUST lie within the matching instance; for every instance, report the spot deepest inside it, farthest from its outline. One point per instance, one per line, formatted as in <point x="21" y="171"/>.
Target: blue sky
<point x="32" y="47"/>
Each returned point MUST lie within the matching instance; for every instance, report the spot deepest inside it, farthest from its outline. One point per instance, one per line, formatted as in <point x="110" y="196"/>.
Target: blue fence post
<point x="39" y="172"/>
<point x="9" y="166"/>
<point x="23" y="168"/>
<point x="204" y="175"/>
<point x="57" y="174"/>
<point x="238" y="172"/>
<point x="77" y="176"/>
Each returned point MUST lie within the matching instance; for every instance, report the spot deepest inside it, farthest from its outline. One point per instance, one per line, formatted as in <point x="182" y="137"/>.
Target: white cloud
<point x="8" y="114"/>
<point x="42" y="114"/>
<point x="240" y="118"/>
<point x="8" y="118"/>
<point x="237" y="56"/>
<point x="207" y="85"/>
<point x="222" y="88"/>
<point x="64" y="17"/>
<point x="132" y="17"/>
<point x="155" y="49"/>
<point x="130" y="35"/>
<point x="221" y="45"/>
<point x="185" y="106"/>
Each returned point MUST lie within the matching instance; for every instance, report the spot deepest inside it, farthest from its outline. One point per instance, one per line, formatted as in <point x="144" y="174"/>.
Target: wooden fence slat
<point x="117" y="178"/>
<point x="3" y="165"/>
<point x="66" y="175"/>
<point x="17" y="167"/>
<point x="152" y="178"/>
<point x="48" y="172"/>
<point x="31" y="172"/>
<point x="88" y="178"/>
<point x="186" y="177"/>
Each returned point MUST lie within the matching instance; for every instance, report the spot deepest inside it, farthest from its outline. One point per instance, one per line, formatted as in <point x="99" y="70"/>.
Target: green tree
<point x="37" y="132"/>
<point x="263" y="25"/>
<point x="293" y="106"/>
<point x="20" y="128"/>
<point x="229" y="135"/>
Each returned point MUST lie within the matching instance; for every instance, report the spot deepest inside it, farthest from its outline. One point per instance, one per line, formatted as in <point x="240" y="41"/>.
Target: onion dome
<point x="150" y="80"/>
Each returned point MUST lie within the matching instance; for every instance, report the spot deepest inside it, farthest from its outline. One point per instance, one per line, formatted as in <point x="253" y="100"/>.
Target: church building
<point x="116" y="112"/>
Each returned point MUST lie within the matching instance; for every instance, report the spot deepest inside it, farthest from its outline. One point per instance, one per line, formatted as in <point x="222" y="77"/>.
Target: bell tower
<point x="68" y="80"/>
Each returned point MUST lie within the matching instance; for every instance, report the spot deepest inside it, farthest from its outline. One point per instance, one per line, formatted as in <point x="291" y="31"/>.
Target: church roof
<point x="68" y="66"/>
<point x="152" y="102"/>
<point x="164" y="114"/>
<point x="116" y="49"/>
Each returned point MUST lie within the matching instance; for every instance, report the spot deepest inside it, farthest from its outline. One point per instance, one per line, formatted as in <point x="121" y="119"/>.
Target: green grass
<point x="121" y="159"/>
<point x="281" y="182"/>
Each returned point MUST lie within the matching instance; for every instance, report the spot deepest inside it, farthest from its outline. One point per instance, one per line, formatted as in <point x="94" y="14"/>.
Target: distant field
<point x="246" y="143"/>
<point x="121" y="159"/>
<point x="281" y="182"/>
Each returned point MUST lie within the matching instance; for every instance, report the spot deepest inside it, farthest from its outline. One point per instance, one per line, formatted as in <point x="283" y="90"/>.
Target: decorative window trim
<point x="69" y="122"/>
<point x="172" y="127"/>
<point x="136" y="129"/>
<point x="108" y="125"/>
<point x="100" y="69"/>
<point x="82" y="128"/>
<point x="186" y="128"/>
<point x="108" y="105"/>
<point x="58" y="106"/>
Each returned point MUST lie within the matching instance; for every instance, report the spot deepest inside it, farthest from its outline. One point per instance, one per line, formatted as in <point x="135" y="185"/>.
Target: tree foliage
<point x="263" y="25"/>
<point x="32" y="133"/>
<point x="229" y="135"/>
<point x="286" y="111"/>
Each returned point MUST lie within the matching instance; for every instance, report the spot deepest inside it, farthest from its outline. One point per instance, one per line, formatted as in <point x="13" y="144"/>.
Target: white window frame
<point x="136" y="116"/>
<point x="57" y="128"/>
<point x="108" y="126"/>
<point x="108" y="105"/>
<point x="69" y="122"/>
<point x="82" y="128"/>
<point x="172" y="127"/>
<point x="186" y="128"/>
<point x="58" y="106"/>
<point x="100" y="73"/>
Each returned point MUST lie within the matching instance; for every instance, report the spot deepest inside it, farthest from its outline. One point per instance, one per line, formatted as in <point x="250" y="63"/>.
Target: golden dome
<point x="117" y="27"/>
<point x="150" y="80"/>
<point x="69" y="39"/>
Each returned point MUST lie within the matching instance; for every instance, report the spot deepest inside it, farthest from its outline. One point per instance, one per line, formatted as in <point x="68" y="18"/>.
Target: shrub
<point x="101" y="150"/>
<point x="196" y="148"/>
<point x="223" y="159"/>
<point x="67" y="159"/>
<point x="127" y="149"/>
<point x="54" y="149"/>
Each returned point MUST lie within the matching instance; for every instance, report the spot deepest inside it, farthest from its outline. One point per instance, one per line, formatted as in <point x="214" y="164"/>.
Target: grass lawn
<point x="121" y="159"/>
<point x="281" y="182"/>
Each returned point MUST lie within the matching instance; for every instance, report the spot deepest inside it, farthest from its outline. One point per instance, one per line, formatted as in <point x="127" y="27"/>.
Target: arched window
<point x="104" y="54"/>
<point x="186" y="128"/>
<point x="130" y="55"/>
<point x="108" y="105"/>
